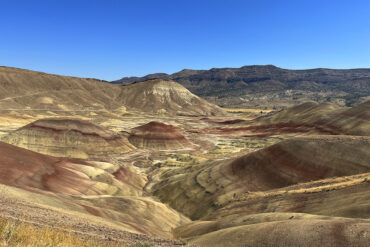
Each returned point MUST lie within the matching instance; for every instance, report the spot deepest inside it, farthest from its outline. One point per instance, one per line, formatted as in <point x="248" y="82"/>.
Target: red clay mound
<point x="34" y="171"/>
<point x="156" y="135"/>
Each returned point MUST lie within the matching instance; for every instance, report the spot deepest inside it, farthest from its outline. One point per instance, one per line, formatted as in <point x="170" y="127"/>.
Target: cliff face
<point x="69" y="138"/>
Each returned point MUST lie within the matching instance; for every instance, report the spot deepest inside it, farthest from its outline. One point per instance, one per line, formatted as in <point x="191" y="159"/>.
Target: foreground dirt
<point x="85" y="226"/>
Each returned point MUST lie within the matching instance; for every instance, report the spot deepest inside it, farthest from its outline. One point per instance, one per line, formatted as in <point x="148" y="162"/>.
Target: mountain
<point x="270" y="86"/>
<point x="166" y="97"/>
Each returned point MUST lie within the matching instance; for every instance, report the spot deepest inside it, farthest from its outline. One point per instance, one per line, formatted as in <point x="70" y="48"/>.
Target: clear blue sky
<point x="109" y="39"/>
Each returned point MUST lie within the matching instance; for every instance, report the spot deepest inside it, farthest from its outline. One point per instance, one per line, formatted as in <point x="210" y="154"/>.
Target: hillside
<point x="201" y="189"/>
<point x="270" y="86"/>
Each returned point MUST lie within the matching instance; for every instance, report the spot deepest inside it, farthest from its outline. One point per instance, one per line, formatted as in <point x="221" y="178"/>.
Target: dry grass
<point x="22" y="234"/>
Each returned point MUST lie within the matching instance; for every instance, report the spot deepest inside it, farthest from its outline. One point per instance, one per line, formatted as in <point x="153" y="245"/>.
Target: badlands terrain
<point x="152" y="164"/>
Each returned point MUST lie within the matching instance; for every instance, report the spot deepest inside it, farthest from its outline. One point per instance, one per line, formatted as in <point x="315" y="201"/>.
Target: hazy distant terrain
<point x="270" y="86"/>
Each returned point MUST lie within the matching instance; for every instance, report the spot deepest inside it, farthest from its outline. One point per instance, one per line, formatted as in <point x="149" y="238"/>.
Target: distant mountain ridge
<point x="269" y="85"/>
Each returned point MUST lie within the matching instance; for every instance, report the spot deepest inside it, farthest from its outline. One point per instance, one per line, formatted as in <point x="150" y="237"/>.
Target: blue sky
<point x="109" y="39"/>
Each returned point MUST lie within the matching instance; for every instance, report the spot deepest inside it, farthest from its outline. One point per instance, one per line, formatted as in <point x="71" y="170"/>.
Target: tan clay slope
<point x="354" y="121"/>
<point x="202" y="227"/>
<point x="341" y="198"/>
<point x="161" y="96"/>
<point x="21" y="88"/>
<point x="156" y="135"/>
<point x="69" y="138"/>
<point x="199" y="190"/>
<point x="306" y="206"/>
<point x="289" y="233"/>
<point x="94" y="188"/>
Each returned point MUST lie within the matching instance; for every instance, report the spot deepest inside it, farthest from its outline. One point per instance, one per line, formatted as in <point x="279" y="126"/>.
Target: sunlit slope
<point x="302" y="232"/>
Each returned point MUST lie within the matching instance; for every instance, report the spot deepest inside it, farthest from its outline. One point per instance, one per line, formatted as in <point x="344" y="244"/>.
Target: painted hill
<point x="69" y="138"/>
<point x="156" y="135"/>
<point x="255" y="86"/>
<point x="159" y="96"/>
